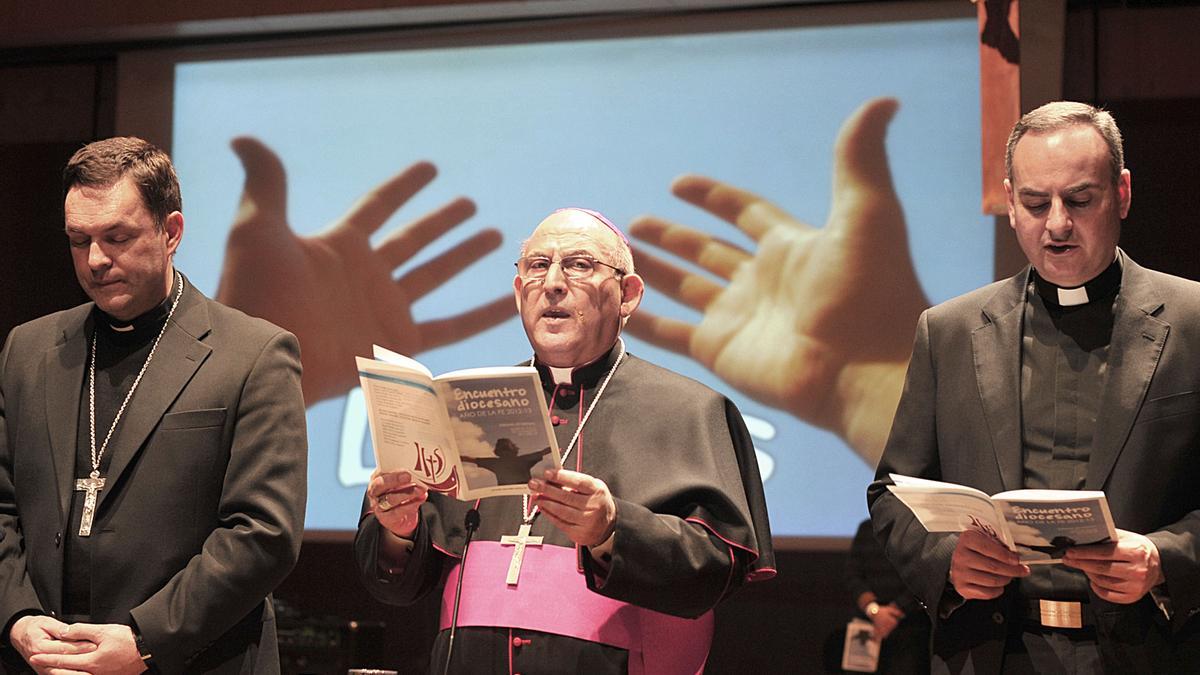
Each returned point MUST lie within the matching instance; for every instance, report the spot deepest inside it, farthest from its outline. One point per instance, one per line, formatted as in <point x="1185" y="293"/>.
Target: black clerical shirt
<point x="121" y="349"/>
<point x="1064" y="367"/>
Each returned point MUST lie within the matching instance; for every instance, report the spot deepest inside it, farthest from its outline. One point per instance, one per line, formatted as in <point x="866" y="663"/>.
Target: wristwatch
<point x="143" y="650"/>
<point x="872" y="609"/>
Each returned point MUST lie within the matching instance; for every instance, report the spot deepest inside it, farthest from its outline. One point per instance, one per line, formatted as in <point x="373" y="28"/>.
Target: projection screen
<point x="528" y="117"/>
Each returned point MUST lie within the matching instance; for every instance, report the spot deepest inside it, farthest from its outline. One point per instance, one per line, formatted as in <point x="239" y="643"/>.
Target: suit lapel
<point x="180" y="353"/>
<point x="64" y="368"/>
<point x="1137" y="344"/>
<point x="997" y="352"/>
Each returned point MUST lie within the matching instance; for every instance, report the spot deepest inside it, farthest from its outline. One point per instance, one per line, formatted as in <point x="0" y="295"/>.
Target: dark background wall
<point x="57" y="91"/>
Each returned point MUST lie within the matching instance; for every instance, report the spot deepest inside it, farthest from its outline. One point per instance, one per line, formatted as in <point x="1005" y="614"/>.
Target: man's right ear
<point x="632" y="290"/>
<point x="1010" y="200"/>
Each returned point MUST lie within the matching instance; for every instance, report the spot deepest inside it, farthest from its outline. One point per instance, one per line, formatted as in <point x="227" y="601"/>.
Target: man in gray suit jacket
<point x="1081" y="372"/>
<point x="152" y="451"/>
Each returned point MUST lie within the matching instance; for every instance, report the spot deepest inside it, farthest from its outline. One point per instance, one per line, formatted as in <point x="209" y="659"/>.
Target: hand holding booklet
<point x="473" y="433"/>
<point x="1038" y="524"/>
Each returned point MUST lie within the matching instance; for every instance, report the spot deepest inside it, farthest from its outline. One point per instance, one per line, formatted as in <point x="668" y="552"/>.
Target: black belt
<point x="1058" y="613"/>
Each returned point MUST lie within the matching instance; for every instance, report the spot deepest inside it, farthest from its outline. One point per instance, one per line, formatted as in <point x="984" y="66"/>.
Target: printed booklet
<point x="473" y="433"/>
<point x="1038" y="524"/>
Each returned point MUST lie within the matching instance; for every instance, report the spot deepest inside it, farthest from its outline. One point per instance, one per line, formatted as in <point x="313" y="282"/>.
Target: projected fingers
<point x="751" y="213"/>
<point x="459" y="327"/>
<point x="375" y="207"/>
<point x="808" y="309"/>
<point x="334" y="290"/>
<point x="430" y="275"/>
<point x="264" y="192"/>
<point x="690" y="289"/>
<point x="860" y="155"/>
<point x="659" y="331"/>
<point x="712" y="254"/>
<point x="866" y="207"/>
<point x="404" y="243"/>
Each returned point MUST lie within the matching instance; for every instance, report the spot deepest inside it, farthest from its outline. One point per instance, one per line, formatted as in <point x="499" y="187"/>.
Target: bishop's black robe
<point x="691" y="519"/>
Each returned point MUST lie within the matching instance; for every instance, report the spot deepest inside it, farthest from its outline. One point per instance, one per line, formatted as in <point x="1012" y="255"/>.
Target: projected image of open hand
<point x="816" y="321"/>
<point x="335" y="290"/>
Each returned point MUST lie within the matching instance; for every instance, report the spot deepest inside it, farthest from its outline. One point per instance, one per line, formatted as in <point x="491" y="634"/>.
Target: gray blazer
<point x="959" y="420"/>
<point x="203" y="510"/>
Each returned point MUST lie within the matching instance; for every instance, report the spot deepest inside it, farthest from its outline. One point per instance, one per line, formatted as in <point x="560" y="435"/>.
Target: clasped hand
<point x="56" y="648"/>
<point x="885" y="621"/>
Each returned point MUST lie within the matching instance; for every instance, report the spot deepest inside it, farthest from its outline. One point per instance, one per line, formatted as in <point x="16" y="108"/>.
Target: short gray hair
<point x="622" y="255"/>
<point x="1063" y="114"/>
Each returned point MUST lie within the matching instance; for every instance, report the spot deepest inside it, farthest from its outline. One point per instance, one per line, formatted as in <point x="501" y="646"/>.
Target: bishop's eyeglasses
<point x="536" y="267"/>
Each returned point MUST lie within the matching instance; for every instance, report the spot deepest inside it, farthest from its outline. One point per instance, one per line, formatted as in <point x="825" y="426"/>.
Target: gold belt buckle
<point x="1061" y="614"/>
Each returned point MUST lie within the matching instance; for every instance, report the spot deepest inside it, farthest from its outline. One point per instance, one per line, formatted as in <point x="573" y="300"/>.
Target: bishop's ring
<point x="383" y="503"/>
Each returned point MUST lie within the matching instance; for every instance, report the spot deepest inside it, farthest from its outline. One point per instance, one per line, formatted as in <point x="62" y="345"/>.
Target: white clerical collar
<point x="1069" y="297"/>
<point x="566" y="376"/>
<point x="1102" y="286"/>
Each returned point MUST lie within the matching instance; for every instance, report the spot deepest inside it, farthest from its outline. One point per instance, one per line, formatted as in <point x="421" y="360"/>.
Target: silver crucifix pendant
<point x="92" y="485"/>
<point x="519" y="542"/>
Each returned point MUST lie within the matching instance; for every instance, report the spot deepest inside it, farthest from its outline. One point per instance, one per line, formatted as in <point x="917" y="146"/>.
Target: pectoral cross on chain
<point x="92" y="485"/>
<point x="520" y="541"/>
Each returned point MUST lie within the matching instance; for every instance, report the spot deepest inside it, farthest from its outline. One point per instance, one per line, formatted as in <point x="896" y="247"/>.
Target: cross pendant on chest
<point x="92" y="485"/>
<point x="520" y="541"/>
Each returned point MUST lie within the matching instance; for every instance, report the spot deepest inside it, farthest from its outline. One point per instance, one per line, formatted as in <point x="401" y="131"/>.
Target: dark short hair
<point x="104" y="163"/>
<point x="1060" y="115"/>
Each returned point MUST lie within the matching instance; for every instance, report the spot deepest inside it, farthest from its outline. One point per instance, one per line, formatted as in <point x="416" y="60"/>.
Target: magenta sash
<point x="553" y="597"/>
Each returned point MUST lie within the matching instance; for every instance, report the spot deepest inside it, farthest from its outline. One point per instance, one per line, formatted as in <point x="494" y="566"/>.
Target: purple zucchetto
<point x="598" y="216"/>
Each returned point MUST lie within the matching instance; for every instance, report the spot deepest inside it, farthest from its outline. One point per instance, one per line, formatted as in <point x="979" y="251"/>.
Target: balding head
<point x="594" y="225"/>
